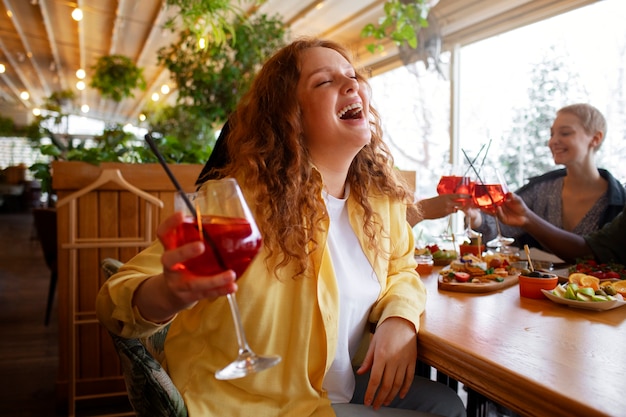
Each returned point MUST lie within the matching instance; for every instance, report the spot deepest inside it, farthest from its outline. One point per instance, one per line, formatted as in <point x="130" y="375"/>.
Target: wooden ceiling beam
<point x="156" y="30"/>
<point x="45" y="14"/>
<point x="29" y="55"/>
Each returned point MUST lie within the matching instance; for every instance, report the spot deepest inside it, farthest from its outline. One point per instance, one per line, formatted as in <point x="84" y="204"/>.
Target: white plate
<point x="588" y="305"/>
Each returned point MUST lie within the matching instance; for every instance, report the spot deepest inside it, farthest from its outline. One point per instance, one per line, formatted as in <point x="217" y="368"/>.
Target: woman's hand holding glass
<point x="183" y="284"/>
<point x="162" y="296"/>
<point x="205" y="253"/>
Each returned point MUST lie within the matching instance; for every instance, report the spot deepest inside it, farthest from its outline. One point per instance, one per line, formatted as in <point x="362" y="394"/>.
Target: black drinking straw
<point x="182" y="193"/>
<point x="476" y="172"/>
<point x="470" y="167"/>
<point x="474" y="160"/>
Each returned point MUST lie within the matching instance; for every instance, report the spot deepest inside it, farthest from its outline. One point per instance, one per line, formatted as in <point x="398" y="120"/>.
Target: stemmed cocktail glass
<point x="224" y="222"/>
<point x="456" y="180"/>
<point x="490" y="192"/>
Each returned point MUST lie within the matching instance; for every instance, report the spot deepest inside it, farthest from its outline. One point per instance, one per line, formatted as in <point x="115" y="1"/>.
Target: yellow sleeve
<point x="114" y="303"/>
<point x="403" y="293"/>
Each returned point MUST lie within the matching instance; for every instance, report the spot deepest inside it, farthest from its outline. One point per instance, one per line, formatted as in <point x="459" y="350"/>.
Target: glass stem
<point x="498" y="227"/>
<point x="241" y="337"/>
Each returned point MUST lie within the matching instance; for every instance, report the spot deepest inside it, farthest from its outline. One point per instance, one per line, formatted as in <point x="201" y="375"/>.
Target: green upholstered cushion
<point x="150" y="390"/>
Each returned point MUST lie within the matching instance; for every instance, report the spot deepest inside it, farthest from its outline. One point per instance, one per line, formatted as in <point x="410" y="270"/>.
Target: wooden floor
<point x="28" y="348"/>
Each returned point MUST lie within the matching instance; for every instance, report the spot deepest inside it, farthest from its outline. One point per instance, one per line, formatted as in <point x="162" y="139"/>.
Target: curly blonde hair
<point x="269" y="157"/>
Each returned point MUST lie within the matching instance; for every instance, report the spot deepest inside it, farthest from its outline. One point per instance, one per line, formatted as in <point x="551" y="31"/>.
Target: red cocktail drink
<point x="489" y="196"/>
<point x="235" y="240"/>
<point x="453" y="184"/>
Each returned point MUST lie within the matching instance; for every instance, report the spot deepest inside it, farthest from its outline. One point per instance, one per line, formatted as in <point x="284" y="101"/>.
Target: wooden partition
<point x="117" y="218"/>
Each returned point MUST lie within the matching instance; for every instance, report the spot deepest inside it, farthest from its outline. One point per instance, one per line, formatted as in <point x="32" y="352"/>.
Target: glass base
<point x="500" y="241"/>
<point x="247" y="363"/>
<point x="472" y="234"/>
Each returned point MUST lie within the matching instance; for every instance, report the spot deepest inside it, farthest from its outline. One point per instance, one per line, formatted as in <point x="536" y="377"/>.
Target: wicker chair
<point x="150" y="390"/>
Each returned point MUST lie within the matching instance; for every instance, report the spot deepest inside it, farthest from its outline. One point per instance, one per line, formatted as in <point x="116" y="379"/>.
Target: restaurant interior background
<point x="585" y="49"/>
<point x="477" y="92"/>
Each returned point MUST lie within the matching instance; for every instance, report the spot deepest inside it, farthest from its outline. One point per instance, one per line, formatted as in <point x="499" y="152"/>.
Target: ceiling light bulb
<point x="80" y="85"/>
<point x="2" y="68"/>
<point x="165" y="89"/>
<point x="80" y="74"/>
<point x="77" y="14"/>
<point x="155" y="96"/>
<point x="24" y="95"/>
<point x="84" y="108"/>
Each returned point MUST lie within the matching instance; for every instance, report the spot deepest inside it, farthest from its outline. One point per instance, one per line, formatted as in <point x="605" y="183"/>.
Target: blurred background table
<point x="536" y="357"/>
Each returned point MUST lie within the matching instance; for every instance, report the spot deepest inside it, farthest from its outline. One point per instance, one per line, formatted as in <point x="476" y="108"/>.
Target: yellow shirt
<point x="294" y="318"/>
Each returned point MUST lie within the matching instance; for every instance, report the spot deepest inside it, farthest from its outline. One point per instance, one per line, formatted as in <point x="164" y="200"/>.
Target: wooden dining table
<point x="534" y="356"/>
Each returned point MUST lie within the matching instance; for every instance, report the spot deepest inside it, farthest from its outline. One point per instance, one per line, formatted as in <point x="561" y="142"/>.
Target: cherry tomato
<point x="461" y="276"/>
<point x="597" y="274"/>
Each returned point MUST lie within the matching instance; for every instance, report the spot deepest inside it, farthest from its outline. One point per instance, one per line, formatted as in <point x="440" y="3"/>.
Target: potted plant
<point x="116" y="76"/>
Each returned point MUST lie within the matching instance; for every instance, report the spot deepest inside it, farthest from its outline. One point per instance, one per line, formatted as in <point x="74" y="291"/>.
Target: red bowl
<point x="471" y="249"/>
<point x="530" y="287"/>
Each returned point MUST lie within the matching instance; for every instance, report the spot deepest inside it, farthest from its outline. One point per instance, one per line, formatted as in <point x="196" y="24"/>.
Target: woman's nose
<point x="350" y="85"/>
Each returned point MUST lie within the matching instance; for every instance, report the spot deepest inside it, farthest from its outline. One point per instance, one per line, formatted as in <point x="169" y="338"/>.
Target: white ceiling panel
<point x="42" y="46"/>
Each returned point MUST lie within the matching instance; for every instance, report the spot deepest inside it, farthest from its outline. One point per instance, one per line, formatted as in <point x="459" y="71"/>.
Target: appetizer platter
<point x="589" y="292"/>
<point x="475" y="274"/>
<point x="601" y="271"/>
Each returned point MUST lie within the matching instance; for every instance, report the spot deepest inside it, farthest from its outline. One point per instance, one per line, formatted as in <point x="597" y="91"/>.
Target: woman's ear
<point x="596" y="140"/>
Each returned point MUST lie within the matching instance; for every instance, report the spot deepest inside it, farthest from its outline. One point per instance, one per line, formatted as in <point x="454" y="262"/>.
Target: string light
<point x="80" y="85"/>
<point x="77" y="14"/>
<point x="155" y="96"/>
<point x="2" y="68"/>
<point x="37" y="111"/>
<point x="80" y="73"/>
<point x="84" y="108"/>
<point x="165" y="89"/>
<point x="24" y="95"/>
<point x="142" y="117"/>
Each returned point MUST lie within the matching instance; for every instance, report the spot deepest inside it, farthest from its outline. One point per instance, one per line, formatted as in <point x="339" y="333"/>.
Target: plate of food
<point x="441" y="257"/>
<point x="602" y="271"/>
<point x="589" y="292"/>
<point x="477" y="275"/>
<point x="599" y="305"/>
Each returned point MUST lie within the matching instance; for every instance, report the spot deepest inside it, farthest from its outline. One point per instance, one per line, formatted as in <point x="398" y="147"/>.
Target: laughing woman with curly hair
<point x="337" y="261"/>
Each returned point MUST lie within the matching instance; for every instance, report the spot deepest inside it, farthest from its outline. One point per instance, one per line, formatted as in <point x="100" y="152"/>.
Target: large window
<point x="510" y="87"/>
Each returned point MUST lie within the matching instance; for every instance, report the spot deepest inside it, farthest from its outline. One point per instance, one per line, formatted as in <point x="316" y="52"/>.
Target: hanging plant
<point x="116" y="76"/>
<point x="402" y="21"/>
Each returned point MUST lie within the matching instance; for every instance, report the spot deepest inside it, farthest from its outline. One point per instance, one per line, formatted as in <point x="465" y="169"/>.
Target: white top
<point x="358" y="290"/>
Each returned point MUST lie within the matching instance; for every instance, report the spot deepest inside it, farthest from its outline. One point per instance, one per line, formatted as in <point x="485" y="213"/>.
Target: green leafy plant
<point x="7" y="126"/>
<point x="211" y="80"/>
<point x="116" y="76"/>
<point x="401" y="23"/>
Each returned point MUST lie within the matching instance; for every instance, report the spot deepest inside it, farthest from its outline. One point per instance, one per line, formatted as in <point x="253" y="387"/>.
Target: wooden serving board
<point x="481" y="287"/>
